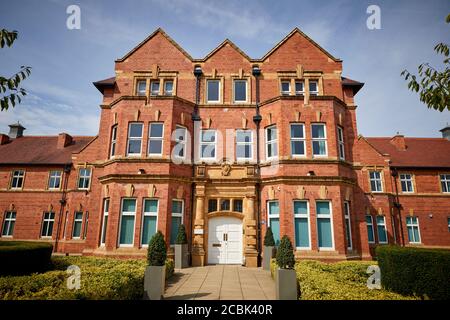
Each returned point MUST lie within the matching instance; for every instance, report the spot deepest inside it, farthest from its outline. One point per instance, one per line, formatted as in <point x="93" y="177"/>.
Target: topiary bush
<point x="415" y="271"/>
<point x="269" y="241"/>
<point x="157" y="250"/>
<point x="181" y="236"/>
<point x="170" y="268"/>
<point x="22" y="257"/>
<point x="285" y="254"/>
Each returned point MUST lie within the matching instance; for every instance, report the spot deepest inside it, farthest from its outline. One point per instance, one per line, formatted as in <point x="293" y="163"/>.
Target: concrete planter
<point x="269" y="253"/>
<point x="154" y="282"/>
<point x="181" y="256"/>
<point x="286" y="284"/>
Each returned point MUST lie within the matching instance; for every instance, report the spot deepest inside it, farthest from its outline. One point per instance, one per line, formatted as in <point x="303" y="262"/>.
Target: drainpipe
<point x="63" y="201"/>
<point x="195" y="117"/>
<point x="256" y="71"/>
<point x="397" y="205"/>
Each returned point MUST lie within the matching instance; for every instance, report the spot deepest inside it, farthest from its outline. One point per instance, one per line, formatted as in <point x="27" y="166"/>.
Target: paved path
<point x="220" y="282"/>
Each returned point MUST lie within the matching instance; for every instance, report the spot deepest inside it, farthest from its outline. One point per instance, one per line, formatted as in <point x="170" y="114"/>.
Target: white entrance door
<point x="225" y="240"/>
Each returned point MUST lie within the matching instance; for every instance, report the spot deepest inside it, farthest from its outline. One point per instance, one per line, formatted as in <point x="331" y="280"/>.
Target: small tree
<point x="285" y="254"/>
<point x="268" y="238"/>
<point x="181" y="236"/>
<point x="157" y="251"/>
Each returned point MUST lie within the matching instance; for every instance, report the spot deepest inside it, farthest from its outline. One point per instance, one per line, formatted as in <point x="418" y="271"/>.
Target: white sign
<point x="198" y="231"/>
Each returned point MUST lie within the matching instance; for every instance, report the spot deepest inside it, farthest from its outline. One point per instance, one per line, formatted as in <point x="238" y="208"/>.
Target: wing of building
<point x="227" y="145"/>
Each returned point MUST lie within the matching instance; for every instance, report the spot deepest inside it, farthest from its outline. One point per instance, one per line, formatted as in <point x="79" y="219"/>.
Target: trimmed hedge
<point x="22" y="257"/>
<point x="415" y="271"/>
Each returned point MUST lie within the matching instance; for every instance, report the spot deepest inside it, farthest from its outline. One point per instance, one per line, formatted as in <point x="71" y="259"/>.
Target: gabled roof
<point x="420" y="152"/>
<point x="220" y="46"/>
<point x="40" y="150"/>
<point x="298" y="31"/>
<point x="157" y="31"/>
<point x="227" y="41"/>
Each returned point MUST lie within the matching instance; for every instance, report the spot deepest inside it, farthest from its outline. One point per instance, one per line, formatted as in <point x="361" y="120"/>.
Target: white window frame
<point x="105" y="215"/>
<point x="316" y="92"/>
<point x="250" y="144"/>
<point x="10" y="217"/>
<point x="412" y="226"/>
<point x="383" y="224"/>
<point x="148" y="214"/>
<point x="218" y="88"/>
<point x="372" y="225"/>
<point x="208" y="143"/>
<point x="299" y="93"/>
<point x="17" y="174"/>
<point x="75" y="220"/>
<point x="273" y="215"/>
<point x="150" y="139"/>
<point x="404" y="179"/>
<point x="445" y="180"/>
<point x="134" y="139"/>
<point x="112" y="151"/>
<point x="138" y="91"/>
<point x="348" y="224"/>
<point x="341" y="142"/>
<point x="127" y="213"/>
<point x="181" y="142"/>
<point x="234" y="90"/>
<point x="54" y="175"/>
<point x="284" y="92"/>
<point x="154" y="93"/>
<point x="376" y="179"/>
<point x="319" y="139"/>
<point x="294" y="139"/>
<point x="302" y="215"/>
<point x="168" y="92"/>
<point x="48" y="220"/>
<point x="84" y="178"/>
<point x="330" y="215"/>
<point x="271" y="142"/>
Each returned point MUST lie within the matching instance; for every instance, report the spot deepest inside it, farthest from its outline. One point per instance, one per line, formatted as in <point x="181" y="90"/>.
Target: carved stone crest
<point x="226" y="169"/>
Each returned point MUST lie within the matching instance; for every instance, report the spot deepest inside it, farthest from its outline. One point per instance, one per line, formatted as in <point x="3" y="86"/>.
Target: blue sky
<point x="66" y="62"/>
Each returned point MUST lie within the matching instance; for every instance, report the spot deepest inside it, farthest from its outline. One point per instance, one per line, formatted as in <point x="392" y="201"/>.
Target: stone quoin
<point x="294" y="161"/>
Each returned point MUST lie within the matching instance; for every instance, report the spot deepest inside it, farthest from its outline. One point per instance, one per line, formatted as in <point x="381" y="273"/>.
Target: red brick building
<point x="226" y="145"/>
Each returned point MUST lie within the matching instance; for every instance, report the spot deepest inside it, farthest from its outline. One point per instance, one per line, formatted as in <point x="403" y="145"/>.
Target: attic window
<point x="313" y="88"/>
<point x="141" y="87"/>
<point x="285" y="88"/>
<point x="154" y="88"/>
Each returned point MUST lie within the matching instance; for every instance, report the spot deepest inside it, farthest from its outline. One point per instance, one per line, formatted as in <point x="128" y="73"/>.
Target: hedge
<point x="22" y="257"/>
<point x="101" y="278"/>
<point x="415" y="271"/>
<point x="345" y="280"/>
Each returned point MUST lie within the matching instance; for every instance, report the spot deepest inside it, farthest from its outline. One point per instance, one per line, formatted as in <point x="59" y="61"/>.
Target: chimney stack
<point x="64" y="140"/>
<point x="4" y="139"/>
<point x="446" y="132"/>
<point x="399" y="142"/>
<point x="16" y="130"/>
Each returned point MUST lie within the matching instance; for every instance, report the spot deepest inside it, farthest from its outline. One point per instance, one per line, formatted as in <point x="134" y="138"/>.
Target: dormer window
<point x="285" y="88"/>
<point x="299" y="88"/>
<point x="313" y="88"/>
<point x="154" y="88"/>
<point x="168" y="87"/>
<point x="141" y="87"/>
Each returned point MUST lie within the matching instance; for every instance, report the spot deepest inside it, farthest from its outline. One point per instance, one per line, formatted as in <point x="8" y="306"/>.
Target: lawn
<point x="338" y="281"/>
<point x="101" y="278"/>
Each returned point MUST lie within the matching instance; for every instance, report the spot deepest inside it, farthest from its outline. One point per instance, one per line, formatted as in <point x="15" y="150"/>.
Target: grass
<point x="338" y="281"/>
<point x="101" y="278"/>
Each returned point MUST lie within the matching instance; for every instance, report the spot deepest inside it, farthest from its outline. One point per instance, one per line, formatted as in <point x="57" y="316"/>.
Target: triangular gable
<point x="165" y="35"/>
<point x="292" y="33"/>
<point x="360" y="137"/>
<point x="222" y="45"/>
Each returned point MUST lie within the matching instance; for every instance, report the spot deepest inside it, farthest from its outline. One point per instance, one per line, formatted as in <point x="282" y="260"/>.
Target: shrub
<point x="170" y="268"/>
<point x="181" y="236"/>
<point x="415" y="271"/>
<point x="268" y="238"/>
<point x="157" y="251"/>
<point x="285" y="254"/>
<point x="22" y="257"/>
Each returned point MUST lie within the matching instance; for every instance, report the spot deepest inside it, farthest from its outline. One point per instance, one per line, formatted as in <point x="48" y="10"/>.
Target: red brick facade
<point x="331" y="182"/>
